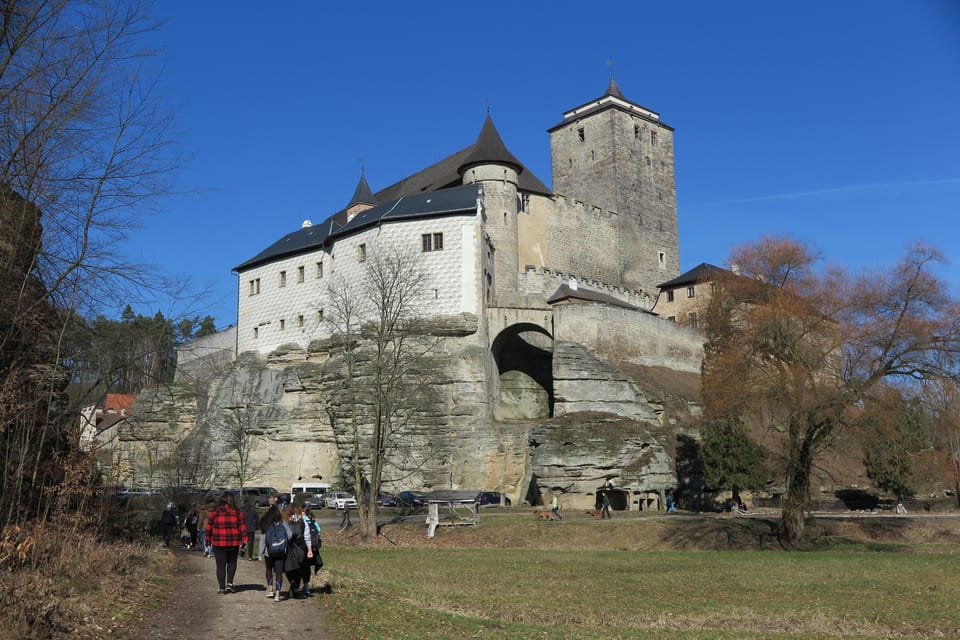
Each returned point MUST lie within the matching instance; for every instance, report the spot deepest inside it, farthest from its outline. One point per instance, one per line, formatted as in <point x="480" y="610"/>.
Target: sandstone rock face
<point x="294" y="410"/>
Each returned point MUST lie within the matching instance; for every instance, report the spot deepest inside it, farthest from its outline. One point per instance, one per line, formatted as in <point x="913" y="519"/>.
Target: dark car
<point x="388" y="500"/>
<point x="491" y="499"/>
<point x="411" y="499"/>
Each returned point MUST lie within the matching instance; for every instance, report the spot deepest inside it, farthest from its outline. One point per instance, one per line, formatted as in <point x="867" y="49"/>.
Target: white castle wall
<point x="291" y="314"/>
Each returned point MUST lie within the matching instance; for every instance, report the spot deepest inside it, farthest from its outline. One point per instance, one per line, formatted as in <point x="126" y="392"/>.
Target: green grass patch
<point x="847" y="591"/>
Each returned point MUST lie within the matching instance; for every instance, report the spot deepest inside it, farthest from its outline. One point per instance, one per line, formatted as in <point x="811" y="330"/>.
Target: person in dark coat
<point x="168" y="523"/>
<point x="299" y="553"/>
<point x="604" y="505"/>
<point x="252" y="519"/>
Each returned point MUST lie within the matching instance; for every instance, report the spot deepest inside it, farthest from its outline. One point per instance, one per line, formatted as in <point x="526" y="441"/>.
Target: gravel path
<point x="194" y="609"/>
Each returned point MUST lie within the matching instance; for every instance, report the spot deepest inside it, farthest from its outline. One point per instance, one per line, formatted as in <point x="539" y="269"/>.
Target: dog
<point x="594" y="513"/>
<point x="544" y="515"/>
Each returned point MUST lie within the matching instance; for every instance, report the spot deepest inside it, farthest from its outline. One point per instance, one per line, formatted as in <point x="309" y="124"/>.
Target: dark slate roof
<point x="489" y="149"/>
<point x="564" y="292"/>
<point x="446" y="172"/>
<point x="600" y="104"/>
<point x="614" y="90"/>
<point x="703" y="272"/>
<point x="459" y="200"/>
<point x="363" y="194"/>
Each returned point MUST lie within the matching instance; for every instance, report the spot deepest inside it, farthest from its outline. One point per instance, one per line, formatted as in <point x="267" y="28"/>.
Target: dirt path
<point x="194" y="609"/>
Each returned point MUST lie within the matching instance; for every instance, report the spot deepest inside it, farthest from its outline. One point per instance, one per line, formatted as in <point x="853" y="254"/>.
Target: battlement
<point x="545" y="281"/>
<point x="584" y="207"/>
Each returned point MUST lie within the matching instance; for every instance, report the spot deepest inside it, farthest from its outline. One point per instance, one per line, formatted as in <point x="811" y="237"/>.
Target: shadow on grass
<point x="723" y="534"/>
<point x="760" y="534"/>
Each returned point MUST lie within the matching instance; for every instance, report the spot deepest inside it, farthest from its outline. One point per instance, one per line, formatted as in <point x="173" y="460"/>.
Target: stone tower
<point x="492" y="166"/>
<point x="614" y="154"/>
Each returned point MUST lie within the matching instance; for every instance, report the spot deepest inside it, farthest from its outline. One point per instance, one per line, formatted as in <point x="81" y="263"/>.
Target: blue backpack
<point x="276" y="540"/>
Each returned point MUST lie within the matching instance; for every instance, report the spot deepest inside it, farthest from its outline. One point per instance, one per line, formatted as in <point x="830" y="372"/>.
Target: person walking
<point x="168" y="523"/>
<point x="271" y="527"/>
<point x="299" y="552"/>
<point x="604" y="505"/>
<point x="202" y="529"/>
<point x="225" y="531"/>
<point x="251" y="519"/>
<point x="193" y="521"/>
<point x="555" y="507"/>
<point x="314" y="528"/>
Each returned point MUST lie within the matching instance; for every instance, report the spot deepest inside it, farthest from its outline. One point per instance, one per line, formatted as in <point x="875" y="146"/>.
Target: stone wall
<point x="635" y="336"/>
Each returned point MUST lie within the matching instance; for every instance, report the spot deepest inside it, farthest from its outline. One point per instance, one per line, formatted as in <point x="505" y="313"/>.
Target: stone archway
<point x="523" y="354"/>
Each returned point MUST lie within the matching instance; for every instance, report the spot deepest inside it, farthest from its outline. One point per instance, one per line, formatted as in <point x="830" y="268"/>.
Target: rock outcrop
<point x="294" y="412"/>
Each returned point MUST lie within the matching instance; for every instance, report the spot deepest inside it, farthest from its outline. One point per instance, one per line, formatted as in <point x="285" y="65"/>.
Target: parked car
<point x="340" y="500"/>
<point x="411" y="499"/>
<point x="260" y="495"/>
<point x="491" y="499"/>
<point x="388" y="500"/>
<point x="312" y="500"/>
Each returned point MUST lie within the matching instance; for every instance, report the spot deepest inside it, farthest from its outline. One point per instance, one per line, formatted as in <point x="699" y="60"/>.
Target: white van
<point x="316" y="488"/>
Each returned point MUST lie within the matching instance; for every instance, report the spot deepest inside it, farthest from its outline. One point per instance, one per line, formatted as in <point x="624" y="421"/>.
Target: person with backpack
<point x="226" y="531"/>
<point x="299" y="553"/>
<point x="315" y="543"/>
<point x="273" y="549"/>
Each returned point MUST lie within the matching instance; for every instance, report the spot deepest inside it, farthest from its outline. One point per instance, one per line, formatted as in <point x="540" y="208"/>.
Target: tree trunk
<point x="792" y="518"/>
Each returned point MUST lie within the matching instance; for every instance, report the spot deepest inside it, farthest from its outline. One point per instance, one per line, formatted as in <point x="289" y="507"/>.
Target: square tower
<point x="616" y="157"/>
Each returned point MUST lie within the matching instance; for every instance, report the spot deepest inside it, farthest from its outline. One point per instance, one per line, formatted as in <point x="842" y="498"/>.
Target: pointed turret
<point x="362" y="199"/>
<point x="489" y="149"/>
<point x="613" y="89"/>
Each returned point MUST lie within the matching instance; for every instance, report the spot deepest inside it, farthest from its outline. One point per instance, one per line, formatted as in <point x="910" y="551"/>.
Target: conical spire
<point x="363" y="194"/>
<point x="613" y="89"/>
<point x="489" y="149"/>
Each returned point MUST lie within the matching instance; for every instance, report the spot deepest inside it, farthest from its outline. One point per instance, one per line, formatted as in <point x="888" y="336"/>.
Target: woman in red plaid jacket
<point x="226" y="531"/>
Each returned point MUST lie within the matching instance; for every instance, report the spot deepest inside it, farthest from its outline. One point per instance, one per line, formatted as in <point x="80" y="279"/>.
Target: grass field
<point x="626" y="579"/>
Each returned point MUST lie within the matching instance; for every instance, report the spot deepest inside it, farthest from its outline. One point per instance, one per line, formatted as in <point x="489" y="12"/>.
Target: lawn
<point x="847" y="588"/>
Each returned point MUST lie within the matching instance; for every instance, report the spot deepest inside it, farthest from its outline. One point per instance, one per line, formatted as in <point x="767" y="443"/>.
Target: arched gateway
<point x="523" y="355"/>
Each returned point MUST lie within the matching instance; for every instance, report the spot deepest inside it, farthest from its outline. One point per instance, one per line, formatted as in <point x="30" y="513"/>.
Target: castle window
<point x="662" y="259"/>
<point x="636" y="132"/>
<point x="320" y="315"/>
<point x="692" y="319"/>
<point x="659" y="195"/>
<point x="319" y="269"/>
<point x="256" y="332"/>
<point x="299" y="321"/>
<point x="432" y="241"/>
<point x="524" y="201"/>
<point x="648" y="161"/>
<point x="581" y="134"/>
<point x="361" y="253"/>
<point x="255" y="286"/>
<point x="653" y="138"/>
<point x="670" y="296"/>
<point x="283" y="278"/>
<point x="283" y="324"/>
<point x="300" y="274"/>
<point x="690" y="291"/>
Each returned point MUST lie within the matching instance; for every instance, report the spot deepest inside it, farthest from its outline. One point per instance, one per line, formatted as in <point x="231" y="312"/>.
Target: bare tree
<point x="800" y="351"/>
<point x="83" y="152"/>
<point x="942" y="400"/>
<point x="239" y="443"/>
<point x="378" y="324"/>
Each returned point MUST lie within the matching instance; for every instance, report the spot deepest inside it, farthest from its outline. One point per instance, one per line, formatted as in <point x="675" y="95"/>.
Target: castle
<point x="543" y="298"/>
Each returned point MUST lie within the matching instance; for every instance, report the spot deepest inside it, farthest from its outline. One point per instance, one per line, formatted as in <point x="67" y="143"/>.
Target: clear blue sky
<point x="837" y="123"/>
